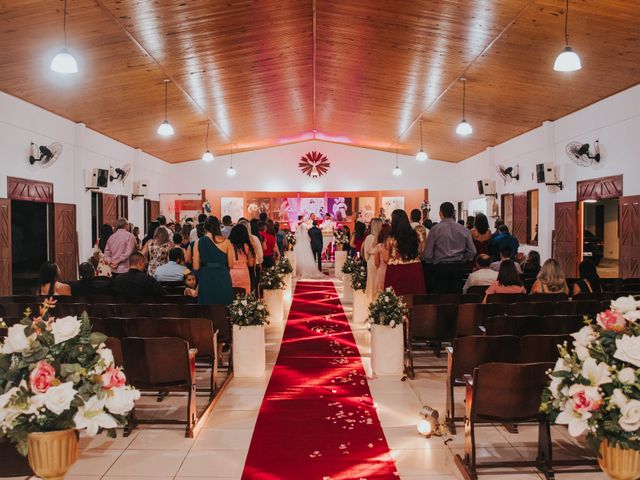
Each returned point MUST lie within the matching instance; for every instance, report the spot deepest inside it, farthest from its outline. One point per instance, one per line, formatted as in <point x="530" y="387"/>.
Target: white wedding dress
<point x="306" y="265"/>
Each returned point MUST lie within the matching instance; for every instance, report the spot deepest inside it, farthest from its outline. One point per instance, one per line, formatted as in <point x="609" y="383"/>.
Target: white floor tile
<point x="147" y="463"/>
<point x="216" y="463"/>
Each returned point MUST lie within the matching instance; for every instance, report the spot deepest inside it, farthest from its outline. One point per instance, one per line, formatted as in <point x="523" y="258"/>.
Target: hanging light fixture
<point x="464" y="128"/>
<point x="231" y="171"/>
<point x="421" y="156"/>
<point x="64" y="62"/>
<point x="568" y="60"/>
<point x="207" y="156"/>
<point x="397" y="171"/>
<point x="165" y="129"/>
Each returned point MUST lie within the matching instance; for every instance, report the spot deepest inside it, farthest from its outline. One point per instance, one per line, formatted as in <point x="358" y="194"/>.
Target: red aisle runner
<point x="317" y="420"/>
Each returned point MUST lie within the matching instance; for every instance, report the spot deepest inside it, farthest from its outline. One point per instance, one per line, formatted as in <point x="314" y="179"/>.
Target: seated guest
<point x="531" y="266"/>
<point x="135" y="282"/>
<point x="503" y="239"/>
<point x="589" y="281"/>
<point x="191" y="282"/>
<point x="551" y="279"/>
<point x="505" y="254"/>
<point x="173" y="270"/>
<point x="89" y="284"/>
<point x="483" y="276"/>
<point x="508" y="280"/>
<point x="48" y="283"/>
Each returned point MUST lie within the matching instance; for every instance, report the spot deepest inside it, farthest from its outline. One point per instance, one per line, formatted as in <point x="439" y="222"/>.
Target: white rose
<point x="627" y="375"/>
<point x="106" y="355"/>
<point x="16" y="340"/>
<point x="630" y="418"/>
<point x="628" y="349"/>
<point x="618" y="399"/>
<point x="121" y="400"/>
<point x="65" y="329"/>
<point x="625" y="304"/>
<point x="58" y="399"/>
<point x="632" y="316"/>
<point x="584" y="336"/>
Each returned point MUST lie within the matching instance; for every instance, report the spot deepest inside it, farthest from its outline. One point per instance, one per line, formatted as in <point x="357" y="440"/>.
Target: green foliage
<point x="388" y="309"/>
<point x="271" y="279"/>
<point x="350" y="265"/>
<point x="284" y="267"/>
<point x="247" y="310"/>
<point x="359" y="277"/>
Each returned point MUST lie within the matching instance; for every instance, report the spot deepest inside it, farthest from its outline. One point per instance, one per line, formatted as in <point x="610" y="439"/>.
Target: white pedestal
<point x="248" y="351"/>
<point x="291" y="257"/>
<point x="360" y="306"/>
<point x="387" y="350"/>
<point x="274" y="300"/>
<point x="341" y="256"/>
<point x="347" y="289"/>
<point x="288" y="290"/>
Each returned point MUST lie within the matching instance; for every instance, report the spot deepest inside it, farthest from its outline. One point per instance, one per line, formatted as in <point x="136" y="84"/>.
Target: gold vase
<point x="619" y="463"/>
<point x="51" y="454"/>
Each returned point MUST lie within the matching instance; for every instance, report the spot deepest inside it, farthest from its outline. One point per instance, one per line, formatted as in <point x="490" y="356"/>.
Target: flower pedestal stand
<point x="289" y="255"/>
<point x="360" y="306"/>
<point x="248" y="351"/>
<point x="288" y="286"/>
<point x="387" y="350"/>
<point x="274" y="300"/>
<point x="618" y="463"/>
<point x="347" y="289"/>
<point x="341" y="256"/>
<point x="51" y="454"/>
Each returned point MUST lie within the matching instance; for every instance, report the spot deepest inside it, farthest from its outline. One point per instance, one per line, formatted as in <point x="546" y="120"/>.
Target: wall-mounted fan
<point x="45" y="155"/>
<point x="119" y="173"/>
<point x="509" y="173"/>
<point x="579" y="153"/>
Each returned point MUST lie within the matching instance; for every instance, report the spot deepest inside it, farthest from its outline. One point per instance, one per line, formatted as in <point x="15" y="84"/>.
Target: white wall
<point x="83" y="149"/>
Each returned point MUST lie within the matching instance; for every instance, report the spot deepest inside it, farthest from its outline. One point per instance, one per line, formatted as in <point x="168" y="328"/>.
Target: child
<point x="191" y="281"/>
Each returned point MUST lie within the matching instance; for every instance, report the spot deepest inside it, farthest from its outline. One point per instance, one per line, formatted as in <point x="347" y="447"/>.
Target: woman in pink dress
<point x="245" y="257"/>
<point x="381" y="266"/>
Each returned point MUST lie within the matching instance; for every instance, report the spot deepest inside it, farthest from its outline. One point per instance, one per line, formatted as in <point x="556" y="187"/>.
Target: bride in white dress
<point x="306" y="265"/>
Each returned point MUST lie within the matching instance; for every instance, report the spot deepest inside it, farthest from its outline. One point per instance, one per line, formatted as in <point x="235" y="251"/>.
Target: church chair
<point x="541" y="348"/>
<point x="12" y="463"/>
<point x="449" y="298"/>
<point x="104" y="310"/>
<point x="165" y="365"/>
<point x="18" y="309"/>
<point x="611" y="284"/>
<point x="630" y="288"/>
<point x="115" y="344"/>
<point x="472" y="315"/>
<point x="69" y="309"/>
<point x="95" y="299"/>
<point x="507" y="298"/>
<point x="176" y="283"/>
<point x="518" y="325"/>
<point x="27" y="299"/>
<point x="531" y="308"/>
<point x="171" y="310"/>
<point x="110" y="326"/>
<point x="3" y="313"/>
<point x="505" y="393"/>
<point x="548" y="297"/>
<point x="562" y="324"/>
<point x="479" y="290"/>
<point x="631" y="280"/>
<point x="597" y="296"/>
<point x="467" y="353"/>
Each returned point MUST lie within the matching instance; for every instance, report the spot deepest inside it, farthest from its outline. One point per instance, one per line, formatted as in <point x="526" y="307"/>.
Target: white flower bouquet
<point x="271" y="279"/>
<point x="341" y="237"/>
<point x="56" y="374"/>
<point x="247" y="310"/>
<point x="359" y="277"/>
<point x="291" y="239"/>
<point x="594" y="387"/>
<point x="350" y="266"/>
<point x="284" y="266"/>
<point x="388" y="309"/>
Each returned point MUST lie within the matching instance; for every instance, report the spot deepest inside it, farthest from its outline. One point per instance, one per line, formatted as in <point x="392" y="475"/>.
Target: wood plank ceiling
<point x="363" y="72"/>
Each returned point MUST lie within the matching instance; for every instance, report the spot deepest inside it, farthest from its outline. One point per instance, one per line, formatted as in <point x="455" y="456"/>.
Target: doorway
<point x="31" y="242"/>
<point x="600" y="236"/>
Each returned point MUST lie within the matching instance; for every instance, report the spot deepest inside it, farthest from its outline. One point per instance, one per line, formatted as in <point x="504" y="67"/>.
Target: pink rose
<point x="42" y="377"/>
<point x="113" y="378"/>
<point x="585" y="403"/>
<point x="611" y="320"/>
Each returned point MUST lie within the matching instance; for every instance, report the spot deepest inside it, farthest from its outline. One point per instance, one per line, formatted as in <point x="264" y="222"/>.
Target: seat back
<point x="548" y="297"/>
<point x="151" y="362"/>
<point x="69" y="309"/>
<point x="541" y="348"/>
<point x="507" y="298"/>
<point x="433" y="322"/>
<point x="562" y="324"/>
<point x="450" y="298"/>
<point x="472" y="315"/>
<point x="104" y="310"/>
<point x="472" y="351"/>
<point x="219" y="316"/>
<point x="115" y="345"/>
<point x="198" y="332"/>
<point x="531" y="308"/>
<point x="111" y="326"/>
<point x="479" y="290"/>
<point x="518" y="325"/>
<point x="172" y="310"/>
<point x="18" y="299"/>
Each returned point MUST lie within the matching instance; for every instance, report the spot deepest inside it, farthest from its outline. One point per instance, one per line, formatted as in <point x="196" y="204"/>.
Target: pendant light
<point x="231" y="171"/>
<point x="397" y="171"/>
<point x="464" y="128"/>
<point x="64" y="62"/>
<point x="568" y="60"/>
<point x="421" y="156"/>
<point x="207" y="156"/>
<point x="165" y="129"/>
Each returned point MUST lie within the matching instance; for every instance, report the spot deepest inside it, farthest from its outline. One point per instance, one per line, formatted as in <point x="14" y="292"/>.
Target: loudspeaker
<point x="488" y="187"/>
<point x="99" y="178"/>
<point x="480" y="188"/>
<point x="546" y="173"/>
<point x="140" y="188"/>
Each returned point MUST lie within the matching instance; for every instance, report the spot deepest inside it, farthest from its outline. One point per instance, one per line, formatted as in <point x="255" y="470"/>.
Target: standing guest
<point x="483" y="276"/>
<point x="280" y="238"/>
<point x="404" y="269"/>
<point x="381" y="266"/>
<point x="589" y="281"/>
<point x="135" y="231"/>
<point x="157" y="250"/>
<point x="531" y="266"/>
<point x="503" y="239"/>
<point x="551" y="279"/>
<point x="449" y="247"/>
<point x="257" y="248"/>
<point x="227" y="225"/>
<point x="461" y="222"/>
<point x="270" y="252"/>
<point x="213" y="258"/>
<point x="186" y="234"/>
<point x="193" y="236"/>
<point x="173" y="270"/>
<point x="428" y="223"/>
<point x="151" y="231"/>
<point x="505" y="254"/>
<point x="244" y="257"/>
<point x="480" y="234"/>
<point x="471" y="222"/>
<point x="315" y="237"/>
<point x="176" y="239"/>
<point x="357" y="238"/>
<point x="48" y="283"/>
<point x="188" y="256"/>
<point x="508" y="280"/>
<point x="496" y="227"/>
<point x="263" y="217"/>
<point x="135" y="282"/>
<point x="102" y="267"/>
<point x="162" y="220"/>
<point x="420" y="229"/>
<point x="368" y="253"/>
<point x="191" y="282"/>
<point x="89" y="284"/>
<point x="119" y="247"/>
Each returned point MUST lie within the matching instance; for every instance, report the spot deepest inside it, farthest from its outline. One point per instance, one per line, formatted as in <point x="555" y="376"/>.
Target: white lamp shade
<point x="207" y="156"/>
<point x="64" y="62"/>
<point x="567" y="61"/>
<point x="397" y="171"/>
<point x="464" y="128"/>
<point x="165" y="129"/>
<point x="421" y="156"/>
<point x="231" y="171"/>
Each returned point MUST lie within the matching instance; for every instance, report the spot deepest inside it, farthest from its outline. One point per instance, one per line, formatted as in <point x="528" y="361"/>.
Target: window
<point x="122" y="206"/>
<point x="532" y="217"/>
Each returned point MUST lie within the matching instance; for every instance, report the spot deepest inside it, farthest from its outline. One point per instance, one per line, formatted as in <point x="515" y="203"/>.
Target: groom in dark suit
<point x="316" y="243"/>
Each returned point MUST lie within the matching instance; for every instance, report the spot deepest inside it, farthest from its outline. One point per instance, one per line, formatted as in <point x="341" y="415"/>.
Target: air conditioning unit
<point x="98" y="178"/>
<point x="546" y="173"/>
<point x="487" y="187"/>
<point x="140" y="189"/>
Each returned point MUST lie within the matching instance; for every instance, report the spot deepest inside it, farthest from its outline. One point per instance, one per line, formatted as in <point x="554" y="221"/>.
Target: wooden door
<point x="507" y="210"/>
<point x="65" y="240"/>
<point x="6" y="276"/>
<point x="154" y="210"/>
<point x="566" y="242"/>
<point x="109" y="209"/>
<point x="630" y="237"/>
<point x="520" y="217"/>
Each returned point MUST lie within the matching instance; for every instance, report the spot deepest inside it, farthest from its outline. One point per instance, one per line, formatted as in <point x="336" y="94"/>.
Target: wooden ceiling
<point x="363" y="72"/>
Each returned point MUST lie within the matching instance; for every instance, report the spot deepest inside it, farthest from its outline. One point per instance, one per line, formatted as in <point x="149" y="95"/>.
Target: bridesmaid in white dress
<point x="368" y="253"/>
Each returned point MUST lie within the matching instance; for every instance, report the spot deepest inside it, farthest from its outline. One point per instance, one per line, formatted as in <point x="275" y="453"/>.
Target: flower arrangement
<point x="350" y="265"/>
<point x="388" y="309"/>
<point x="341" y="237"/>
<point x="56" y="374"/>
<point x="270" y="279"/>
<point x="284" y="267"/>
<point x="359" y="277"/>
<point x="247" y="310"/>
<point x="290" y="239"/>
<point x="594" y="386"/>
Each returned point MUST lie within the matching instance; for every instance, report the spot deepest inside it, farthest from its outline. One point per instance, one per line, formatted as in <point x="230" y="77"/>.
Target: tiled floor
<point x="220" y="450"/>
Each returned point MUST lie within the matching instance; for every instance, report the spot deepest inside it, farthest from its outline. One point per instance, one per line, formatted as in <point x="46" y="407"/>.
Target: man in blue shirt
<point x="173" y="270"/>
<point x="503" y="239"/>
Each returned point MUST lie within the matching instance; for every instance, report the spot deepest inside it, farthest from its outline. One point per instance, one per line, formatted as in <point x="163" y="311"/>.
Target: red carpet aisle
<point x="317" y="420"/>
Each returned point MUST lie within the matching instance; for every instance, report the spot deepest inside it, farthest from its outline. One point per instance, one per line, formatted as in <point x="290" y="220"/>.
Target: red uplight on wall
<point x="314" y="164"/>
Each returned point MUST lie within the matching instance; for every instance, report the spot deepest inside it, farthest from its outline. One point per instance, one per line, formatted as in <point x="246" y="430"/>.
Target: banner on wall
<point x="258" y="205"/>
<point x="366" y="208"/>
<point x="285" y="209"/>
<point x="177" y="207"/>
<point x="232" y="206"/>
<point x="311" y="205"/>
<point x="389" y="204"/>
<point x="340" y="208"/>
